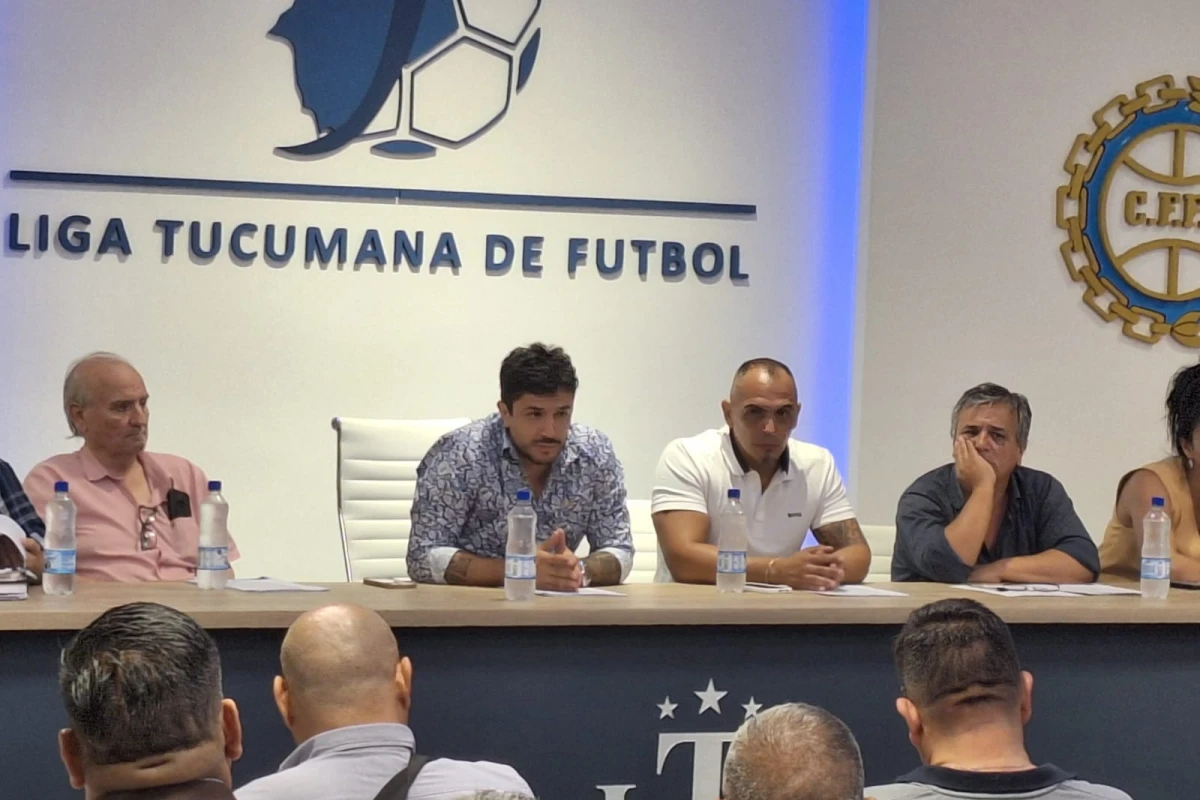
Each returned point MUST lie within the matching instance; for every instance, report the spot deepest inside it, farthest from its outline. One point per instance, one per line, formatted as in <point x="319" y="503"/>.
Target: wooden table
<point x="568" y="689"/>
<point x="643" y="604"/>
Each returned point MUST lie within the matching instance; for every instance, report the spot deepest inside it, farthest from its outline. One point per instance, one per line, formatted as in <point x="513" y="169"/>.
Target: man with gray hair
<point x="984" y="518"/>
<point x="138" y="512"/>
<point x="793" y="752"/>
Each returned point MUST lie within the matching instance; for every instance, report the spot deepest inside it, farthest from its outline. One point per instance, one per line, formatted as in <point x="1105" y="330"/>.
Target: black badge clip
<point x="178" y="504"/>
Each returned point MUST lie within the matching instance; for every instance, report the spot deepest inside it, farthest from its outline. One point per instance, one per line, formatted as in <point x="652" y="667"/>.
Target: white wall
<point x="247" y="365"/>
<point x="976" y="107"/>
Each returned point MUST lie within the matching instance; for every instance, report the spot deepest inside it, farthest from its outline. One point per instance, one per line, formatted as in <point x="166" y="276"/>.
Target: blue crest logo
<point x="1131" y="210"/>
<point x="417" y="74"/>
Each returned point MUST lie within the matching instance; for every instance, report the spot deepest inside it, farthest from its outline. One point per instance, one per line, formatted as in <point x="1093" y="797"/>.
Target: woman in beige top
<point x="1176" y="479"/>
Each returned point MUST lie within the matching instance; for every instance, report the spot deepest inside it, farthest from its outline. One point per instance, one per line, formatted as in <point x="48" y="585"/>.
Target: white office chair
<point x="376" y="478"/>
<point x="882" y="539"/>
<point x="645" y="543"/>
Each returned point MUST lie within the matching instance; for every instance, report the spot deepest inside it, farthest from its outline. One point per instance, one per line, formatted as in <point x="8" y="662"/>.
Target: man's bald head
<point x="761" y="411"/>
<point x="106" y="402"/>
<point x="757" y="373"/>
<point x="338" y="653"/>
<point x="87" y="377"/>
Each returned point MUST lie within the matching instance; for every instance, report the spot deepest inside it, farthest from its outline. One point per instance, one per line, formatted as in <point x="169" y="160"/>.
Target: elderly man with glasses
<point x="138" y="517"/>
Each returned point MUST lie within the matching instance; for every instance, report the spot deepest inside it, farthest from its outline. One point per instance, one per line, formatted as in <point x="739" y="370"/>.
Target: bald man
<point x="788" y="488"/>
<point x="138" y="512"/>
<point x="345" y="694"/>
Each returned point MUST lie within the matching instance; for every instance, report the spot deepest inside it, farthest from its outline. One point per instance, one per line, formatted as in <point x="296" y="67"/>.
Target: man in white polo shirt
<point x="788" y="489"/>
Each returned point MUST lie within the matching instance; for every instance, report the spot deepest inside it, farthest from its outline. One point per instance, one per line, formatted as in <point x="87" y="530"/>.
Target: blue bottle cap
<point x="735" y="494"/>
<point x="1157" y="502"/>
<point x="524" y="495"/>
<point x="214" y="486"/>
<point x="60" y="486"/>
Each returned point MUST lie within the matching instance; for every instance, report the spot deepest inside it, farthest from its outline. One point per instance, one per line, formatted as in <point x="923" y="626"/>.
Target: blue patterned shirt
<point x="15" y="503"/>
<point x="468" y="482"/>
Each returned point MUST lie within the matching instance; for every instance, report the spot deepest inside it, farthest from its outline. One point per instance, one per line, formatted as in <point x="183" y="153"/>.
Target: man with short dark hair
<point x="985" y="518"/>
<point x="788" y="488"/>
<point x="142" y="689"/>
<point x="793" y="751"/>
<point x="344" y="693"/>
<point x="966" y="702"/>
<point x="468" y="482"/>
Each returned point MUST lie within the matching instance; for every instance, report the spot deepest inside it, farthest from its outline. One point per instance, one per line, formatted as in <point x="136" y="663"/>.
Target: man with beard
<point x="985" y="518"/>
<point x="469" y="479"/>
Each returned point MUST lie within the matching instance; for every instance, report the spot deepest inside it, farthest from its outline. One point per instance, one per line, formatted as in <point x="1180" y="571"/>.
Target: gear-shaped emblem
<point x="1131" y="210"/>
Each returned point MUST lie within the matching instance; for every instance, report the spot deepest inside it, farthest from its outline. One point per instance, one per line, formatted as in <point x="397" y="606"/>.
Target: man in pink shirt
<point x="139" y="512"/>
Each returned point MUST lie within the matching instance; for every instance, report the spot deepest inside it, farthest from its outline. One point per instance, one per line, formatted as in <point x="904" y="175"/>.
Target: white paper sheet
<point x="587" y="591"/>
<point x="1016" y="589"/>
<point x="1100" y="589"/>
<point x="860" y="590"/>
<point x="271" y="585"/>
<point x="10" y="528"/>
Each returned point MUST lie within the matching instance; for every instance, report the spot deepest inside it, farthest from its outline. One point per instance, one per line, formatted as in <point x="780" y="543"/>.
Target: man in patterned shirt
<point x="15" y="505"/>
<point x="469" y="479"/>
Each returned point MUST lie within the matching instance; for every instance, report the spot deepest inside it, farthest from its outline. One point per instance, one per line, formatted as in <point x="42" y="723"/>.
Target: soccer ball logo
<point x="421" y="74"/>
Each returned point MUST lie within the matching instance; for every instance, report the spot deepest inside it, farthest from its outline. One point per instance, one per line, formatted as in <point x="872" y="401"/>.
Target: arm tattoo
<point x="837" y="534"/>
<point x="456" y="570"/>
<point x="603" y="568"/>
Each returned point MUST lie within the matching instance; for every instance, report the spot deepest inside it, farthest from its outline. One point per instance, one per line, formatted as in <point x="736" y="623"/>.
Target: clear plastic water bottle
<point x="520" y="556"/>
<point x="1156" y="551"/>
<point x="212" y="562"/>
<point x="59" y="575"/>
<point x="732" y="539"/>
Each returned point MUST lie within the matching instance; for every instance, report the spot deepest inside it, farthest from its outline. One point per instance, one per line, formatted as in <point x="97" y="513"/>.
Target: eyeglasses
<point x="147" y="536"/>
<point x="1027" y="587"/>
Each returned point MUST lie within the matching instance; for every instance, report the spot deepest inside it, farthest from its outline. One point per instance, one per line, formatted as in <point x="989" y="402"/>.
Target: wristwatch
<point x="587" y="579"/>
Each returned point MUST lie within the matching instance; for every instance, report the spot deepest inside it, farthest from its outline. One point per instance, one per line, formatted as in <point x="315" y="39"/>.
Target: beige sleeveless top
<point x="1120" y="553"/>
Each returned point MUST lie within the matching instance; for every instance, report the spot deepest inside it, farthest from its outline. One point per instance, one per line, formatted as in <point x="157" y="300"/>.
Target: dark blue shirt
<point x="1039" y="517"/>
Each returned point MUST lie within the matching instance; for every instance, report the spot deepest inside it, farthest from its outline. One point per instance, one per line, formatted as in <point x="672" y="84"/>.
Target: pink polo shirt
<point x="108" y="523"/>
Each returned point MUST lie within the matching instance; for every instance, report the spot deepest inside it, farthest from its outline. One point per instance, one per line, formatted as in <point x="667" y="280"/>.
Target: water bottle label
<point x="731" y="561"/>
<point x="60" y="562"/>
<point x="1156" y="569"/>
<point x="520" y="568"/>
<point x="214" y="558"/>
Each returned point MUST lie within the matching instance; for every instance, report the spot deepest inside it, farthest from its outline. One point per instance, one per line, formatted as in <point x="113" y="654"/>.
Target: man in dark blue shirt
<point x="985" y="518"/>
<point x="15" y="504"/>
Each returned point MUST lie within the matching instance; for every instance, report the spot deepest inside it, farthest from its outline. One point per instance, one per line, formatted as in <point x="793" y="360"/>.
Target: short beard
<point x="527" y="457"/>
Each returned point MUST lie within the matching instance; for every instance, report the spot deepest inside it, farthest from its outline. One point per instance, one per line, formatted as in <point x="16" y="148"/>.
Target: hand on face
<point x="558" y="568"/>
<point x="973" y="470"/>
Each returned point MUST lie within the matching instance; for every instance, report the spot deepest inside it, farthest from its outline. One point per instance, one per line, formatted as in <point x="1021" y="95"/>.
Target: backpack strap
<point x="397" y="788"/>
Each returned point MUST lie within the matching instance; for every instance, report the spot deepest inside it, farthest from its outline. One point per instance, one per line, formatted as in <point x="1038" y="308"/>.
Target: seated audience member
<point x="468" y="482"/>
<point x="966" y="702"/>
<point x="138" y="512"/>
<point x="344" y="694"/>
<point x="1174" y="479"/>
<point x="788" y="488"/>
<point x="142" y="689"/>
<point x="793" y="751"/>
<point x="15" y="505"/>
<point x="985" y="518"/>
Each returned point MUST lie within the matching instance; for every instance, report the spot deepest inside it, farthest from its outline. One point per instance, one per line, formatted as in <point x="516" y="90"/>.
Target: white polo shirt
<point x="696" y="474"/>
